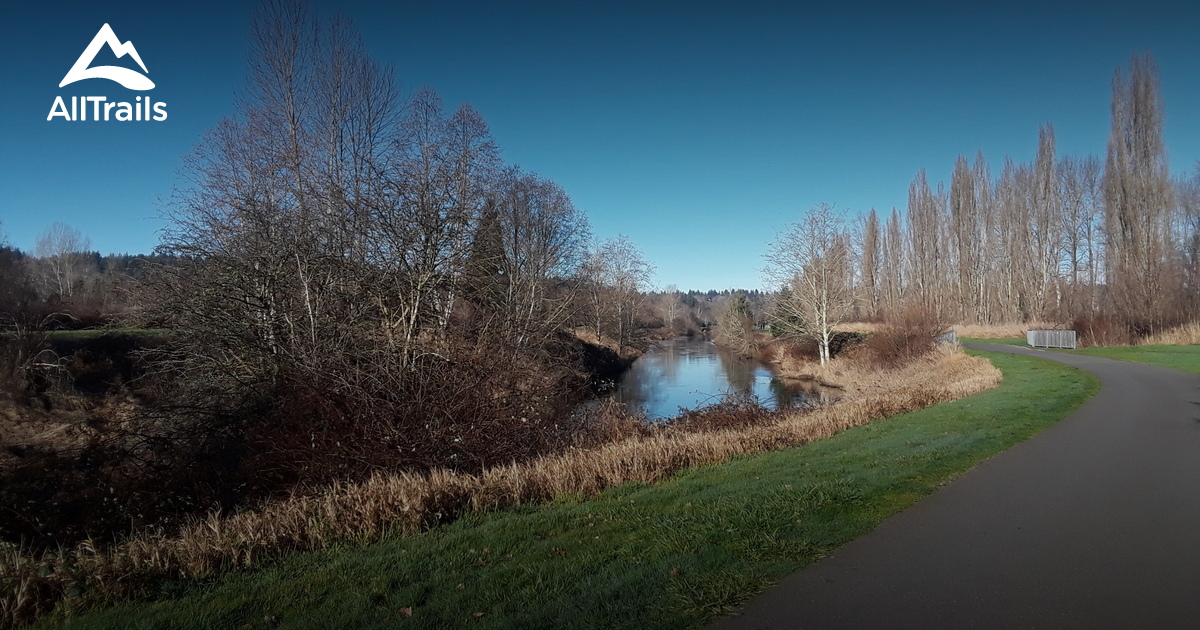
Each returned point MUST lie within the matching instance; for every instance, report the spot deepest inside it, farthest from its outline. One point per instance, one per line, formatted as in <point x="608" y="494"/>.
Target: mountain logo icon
<point x="126" y="77"/>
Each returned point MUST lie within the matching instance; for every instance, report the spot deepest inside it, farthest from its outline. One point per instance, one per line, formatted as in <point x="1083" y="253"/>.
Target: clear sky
<point x="697" y="129"/>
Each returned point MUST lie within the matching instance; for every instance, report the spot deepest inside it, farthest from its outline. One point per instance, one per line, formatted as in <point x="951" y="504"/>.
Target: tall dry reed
<point x="978" y="331"/>
<point x="1000" y="331"/>
<point x="1185" y="335"/>
<point x="404" y="503"/>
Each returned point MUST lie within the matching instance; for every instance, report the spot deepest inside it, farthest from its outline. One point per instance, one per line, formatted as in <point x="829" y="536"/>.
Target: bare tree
<point x="1040" y="230"/>
<point x="1081" y="226"/>
<point x="361" y="261"/>
<point x="1052" y="238"/>
<point x="1188" y="229"/>
<point x="894" y="262"/>
<point x="1138" y="199"/>
<point x="928" y="254"/>
<point x="541" y="240"/>
<point x="61" y="248"/>
<point x="964" y="217"/>
<point x="617" y="276"/>
<point x="735" y="326"/>
<point x="871" y="259"/>
<point x="813" y="260"/>
<point x="671" y="306"/>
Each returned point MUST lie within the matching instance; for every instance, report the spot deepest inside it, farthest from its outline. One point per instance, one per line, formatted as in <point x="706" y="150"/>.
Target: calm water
<point x="696" y="373"/>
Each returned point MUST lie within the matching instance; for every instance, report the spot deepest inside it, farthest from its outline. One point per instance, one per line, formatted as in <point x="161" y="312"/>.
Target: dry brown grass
<point x="1000" y="331"/>
<point x="1185" y="335"/>
<point x="403" y="503"/>
<point x="945" y="365"/>
<point x="857" y="327"/>
<point x="586" y="335"/>
<point x="979" y="331"/>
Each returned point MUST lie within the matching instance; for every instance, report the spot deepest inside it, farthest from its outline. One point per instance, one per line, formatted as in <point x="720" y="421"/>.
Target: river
<point x="694" y="372"/>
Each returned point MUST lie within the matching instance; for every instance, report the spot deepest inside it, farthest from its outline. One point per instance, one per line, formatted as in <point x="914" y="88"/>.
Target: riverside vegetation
<point x="365" y="333"/>
<point x="674" y="549"/>
<point x="407" y="503"/>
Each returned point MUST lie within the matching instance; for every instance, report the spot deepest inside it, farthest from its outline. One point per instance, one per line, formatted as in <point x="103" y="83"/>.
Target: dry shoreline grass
<point x="858" y="381"/>
<point x="407" y="503"/>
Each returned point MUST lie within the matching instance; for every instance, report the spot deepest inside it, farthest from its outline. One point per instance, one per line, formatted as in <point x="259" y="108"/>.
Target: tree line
<point x="1059" y="239"/>
<point x="63" y="283"/>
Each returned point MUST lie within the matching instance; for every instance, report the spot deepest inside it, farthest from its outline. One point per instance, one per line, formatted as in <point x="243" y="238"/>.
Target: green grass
<point x="670" y="555"/>
<point x="1186" y="358"/>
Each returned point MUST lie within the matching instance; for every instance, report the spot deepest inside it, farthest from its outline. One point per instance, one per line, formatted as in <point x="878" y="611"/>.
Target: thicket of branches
<point x="813" y="263"/>
<point x="63" y="284"/>
<point x="351" y="280"/>
<point x="362" y="281"/>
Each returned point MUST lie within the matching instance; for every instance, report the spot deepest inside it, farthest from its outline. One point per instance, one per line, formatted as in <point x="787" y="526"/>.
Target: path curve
<point x="1093" y="523"/>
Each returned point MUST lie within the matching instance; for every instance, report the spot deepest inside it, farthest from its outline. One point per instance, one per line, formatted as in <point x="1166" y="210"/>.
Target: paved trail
<point x="1094" y="523"/>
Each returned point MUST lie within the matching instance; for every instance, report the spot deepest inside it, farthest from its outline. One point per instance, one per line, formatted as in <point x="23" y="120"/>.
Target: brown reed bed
<point x="1001" y="331"/>
<point x="976" y="331"/>
<point x="1184" y="335"/>
<point x="405" y="503"/>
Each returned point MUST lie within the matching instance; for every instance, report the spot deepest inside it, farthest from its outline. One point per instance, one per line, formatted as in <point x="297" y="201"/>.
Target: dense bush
<point x="1101" y="330"/>
<point x="905" y="334"/>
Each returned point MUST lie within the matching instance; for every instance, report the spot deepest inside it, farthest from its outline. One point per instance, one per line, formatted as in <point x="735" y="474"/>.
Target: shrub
<point x="906" y="333"/>
<point x="1100" y="330"/>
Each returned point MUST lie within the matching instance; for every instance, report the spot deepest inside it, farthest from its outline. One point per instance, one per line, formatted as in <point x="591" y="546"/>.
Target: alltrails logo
<point x="101" y="108"/>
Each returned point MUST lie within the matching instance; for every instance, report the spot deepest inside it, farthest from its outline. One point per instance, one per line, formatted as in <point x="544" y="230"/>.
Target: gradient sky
<point x="697" y="129"/>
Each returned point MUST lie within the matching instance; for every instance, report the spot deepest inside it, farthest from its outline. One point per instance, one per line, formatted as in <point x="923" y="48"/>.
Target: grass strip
<point x="1180" y="357"/>
<point x="669" y="555"/>
<point x="1186" y="358"/>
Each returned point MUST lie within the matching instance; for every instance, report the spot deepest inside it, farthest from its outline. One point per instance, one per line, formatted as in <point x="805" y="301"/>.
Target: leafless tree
<point x="928" y="260"/>
<point x="1079" y="183"/>
<point x="1188" y="236"/>
<point x="894" y="262"/>
<point x="358" y="263"/>
<point x="735" y="326"/>
<point x="541" y="242"/>
<point x="814" y="260"/>
<point x="671" y="306"/>
<point x="1138" y="199"/>
<point x="618" y="274"/>
<point x="871" y="259"/>
<point x="61" y="249"/>
<point x="1049" y="239"/>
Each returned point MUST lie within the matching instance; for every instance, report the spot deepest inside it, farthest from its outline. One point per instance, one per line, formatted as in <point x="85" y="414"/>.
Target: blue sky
<point x="697" y="129"/>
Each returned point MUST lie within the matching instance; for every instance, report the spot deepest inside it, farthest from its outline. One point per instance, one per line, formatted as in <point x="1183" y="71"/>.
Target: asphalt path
<point x="1093" y="523"/>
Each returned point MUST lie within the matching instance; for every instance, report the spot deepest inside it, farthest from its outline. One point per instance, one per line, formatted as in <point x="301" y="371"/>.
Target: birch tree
<point x="813" y="260"/>
<point x="61" y="249"/>
<point x="617" y="274"/>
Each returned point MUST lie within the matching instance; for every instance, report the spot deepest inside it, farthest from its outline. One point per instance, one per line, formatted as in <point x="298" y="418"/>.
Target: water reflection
<point x="695" y="373"/>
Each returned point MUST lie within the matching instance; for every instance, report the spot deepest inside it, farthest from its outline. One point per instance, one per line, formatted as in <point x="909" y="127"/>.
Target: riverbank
<point x="674" y="554"/>
<point x="369" y="525"/>
<point x="694" y="373"/>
